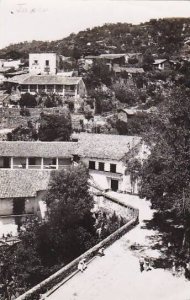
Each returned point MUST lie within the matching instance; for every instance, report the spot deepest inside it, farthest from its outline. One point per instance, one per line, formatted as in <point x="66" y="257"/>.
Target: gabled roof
<point x="128" y="111"/>
<point x="45" y="79"/>
<point x="119" y="69"/>
<point x="22" y="183"/>
<point x="159" y="61"/>
<point x="105" y="146"/>
<point x="36" y="149"/>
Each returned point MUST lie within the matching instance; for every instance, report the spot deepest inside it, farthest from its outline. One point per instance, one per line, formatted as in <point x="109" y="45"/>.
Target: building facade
<point x="43" y="63"/>
<point x="26" y="167"/>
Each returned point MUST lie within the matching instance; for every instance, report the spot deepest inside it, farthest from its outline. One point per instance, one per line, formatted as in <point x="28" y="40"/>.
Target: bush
<point x="28" y="100"/>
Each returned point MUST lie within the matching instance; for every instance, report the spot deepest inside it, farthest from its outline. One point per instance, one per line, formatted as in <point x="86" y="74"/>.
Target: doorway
<point x="114" y="185"/>
<point x="18" y="206"/>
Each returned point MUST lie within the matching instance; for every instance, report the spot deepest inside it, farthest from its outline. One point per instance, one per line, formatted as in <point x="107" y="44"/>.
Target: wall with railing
<point x="41" y="290"/>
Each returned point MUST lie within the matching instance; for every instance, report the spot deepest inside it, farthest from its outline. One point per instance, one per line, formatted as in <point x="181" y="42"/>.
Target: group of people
<point x="183" y="268"/>
<point x="82" y="266"/>
<point x="145" y="264"/>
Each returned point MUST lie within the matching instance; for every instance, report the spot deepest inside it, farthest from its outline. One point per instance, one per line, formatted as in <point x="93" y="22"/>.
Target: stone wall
<point x="111" y="205"/>
<point x="11" y="118"/>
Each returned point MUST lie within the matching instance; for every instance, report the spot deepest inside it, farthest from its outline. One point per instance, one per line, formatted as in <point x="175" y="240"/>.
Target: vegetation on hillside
<point x="163" y="36"/>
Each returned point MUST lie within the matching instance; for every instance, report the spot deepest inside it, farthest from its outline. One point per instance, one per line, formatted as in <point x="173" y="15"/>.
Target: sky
<point x="27" y="20"/>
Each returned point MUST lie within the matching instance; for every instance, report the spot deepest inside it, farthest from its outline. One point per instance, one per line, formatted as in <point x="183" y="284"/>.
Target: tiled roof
<point x="112" y="56"/>
<point x="105" y="146"/>
<point x="105" y="56"/>
<point x="37" y="149"/>
<point x="128" y="70"/>
<point x="45" y="79"/>
<point x="22" y="183"/>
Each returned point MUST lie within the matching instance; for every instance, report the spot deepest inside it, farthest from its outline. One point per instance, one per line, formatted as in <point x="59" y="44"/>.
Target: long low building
<point x="62" y="85"/>
<point x="25" y="167"/>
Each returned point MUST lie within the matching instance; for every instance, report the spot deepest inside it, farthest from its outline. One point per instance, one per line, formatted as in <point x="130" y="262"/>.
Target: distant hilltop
<point x="164" y="37"/>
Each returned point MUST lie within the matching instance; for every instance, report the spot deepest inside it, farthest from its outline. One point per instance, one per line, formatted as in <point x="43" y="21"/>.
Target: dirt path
<point x="117" y="275"/>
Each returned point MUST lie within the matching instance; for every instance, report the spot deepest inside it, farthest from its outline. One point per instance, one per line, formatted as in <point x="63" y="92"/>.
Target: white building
<point x="106" y="156"/>
<point x="11" y="63"/>
<point x="43" y="63"/>
<point x="25" y="167"/>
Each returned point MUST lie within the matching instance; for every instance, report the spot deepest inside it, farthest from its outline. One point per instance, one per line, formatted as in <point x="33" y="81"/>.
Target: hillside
<point x="164" y="37"/>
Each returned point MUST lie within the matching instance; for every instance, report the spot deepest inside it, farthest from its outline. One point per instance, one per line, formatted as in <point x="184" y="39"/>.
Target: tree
<point x="69" y="212"/>
<point x="28" y="100"/>
<point x="23" y="133"/>
<point x="52" y="100"/>
<point x="55" y="127"/>
<point x="166" y="173"/>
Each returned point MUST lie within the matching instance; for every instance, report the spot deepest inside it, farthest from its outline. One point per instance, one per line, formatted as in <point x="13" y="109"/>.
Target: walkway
<point x="117" y="274"/>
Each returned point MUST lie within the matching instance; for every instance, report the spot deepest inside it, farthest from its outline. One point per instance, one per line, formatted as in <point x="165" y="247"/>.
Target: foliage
<point x="52" y="100"/>
<point x="69" y="203"/>
<point x="162" y="36"/>
<point x="99" y="74"/>
<point x="138" y="124"/>
<point x="88" y="113"/>
<point x="23" y="133"/>
<point x="28" y="100"/>
<point x="166" y="175"/>
<point x="104" y="99"/>
<point x="24" y="112"/>
<point x="55" y="127"/>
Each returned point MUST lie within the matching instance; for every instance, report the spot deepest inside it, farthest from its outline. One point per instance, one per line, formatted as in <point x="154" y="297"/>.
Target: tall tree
<point x="69" y="211"/>
<point x="166" y="173"/>
<point x="55" y="127"/>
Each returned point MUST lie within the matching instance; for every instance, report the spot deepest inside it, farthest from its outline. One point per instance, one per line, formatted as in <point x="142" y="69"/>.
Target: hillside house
<point x="161" y="64"/>
<point x="132" y="72"/>
<point x="106" y="157"/>
<point x="134" y="56"/>
<point x="43" y="63"/>
<point x="109" y="59"/>
<point x="124" y="114"/>
<point x="10" y="64"/>
<point x="67" y="87"/>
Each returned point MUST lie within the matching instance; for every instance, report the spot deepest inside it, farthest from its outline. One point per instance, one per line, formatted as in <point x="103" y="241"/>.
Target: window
<point x="32" y="161"/>
<point x="33" y="87"/>
<point x="70" y="87"/>
<point x="101" y="166"/>
<point x="50" y="88"/>
<point x="113" y="168"/>
<point x="24" y="88"/>
<point x="92" y="165"/>
<point x="59" y="88"/>
<point x="6" y="162"/>
<point x="53" y="161"/>
<point x="47" y="63"/>
<point x="41" y="88"/>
